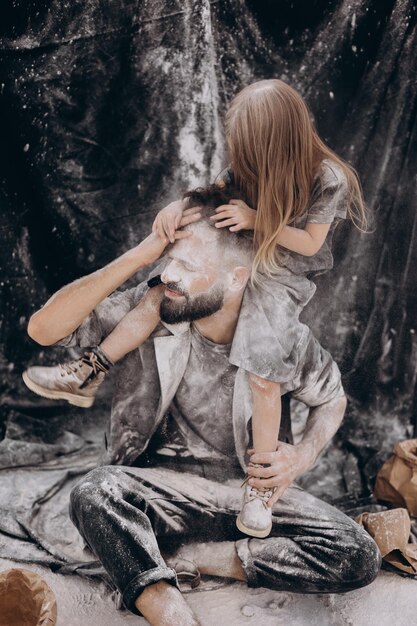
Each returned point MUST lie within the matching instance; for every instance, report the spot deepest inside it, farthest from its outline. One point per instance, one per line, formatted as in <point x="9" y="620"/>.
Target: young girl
<point x="297" y="190"/>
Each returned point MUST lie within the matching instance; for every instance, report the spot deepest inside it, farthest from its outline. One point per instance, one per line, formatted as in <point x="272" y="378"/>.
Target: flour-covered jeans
<point x="125" y="514"/>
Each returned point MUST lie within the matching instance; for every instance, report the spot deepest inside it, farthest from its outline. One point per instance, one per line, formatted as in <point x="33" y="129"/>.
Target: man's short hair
<point x="208" y="199"/>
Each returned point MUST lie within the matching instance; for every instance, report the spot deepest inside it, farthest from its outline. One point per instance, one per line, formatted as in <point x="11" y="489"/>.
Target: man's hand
<point x="155" y="244"/>
<point x="237" y="214"/>
<point x="169" y="219"/>
<point x="285" y="466"/>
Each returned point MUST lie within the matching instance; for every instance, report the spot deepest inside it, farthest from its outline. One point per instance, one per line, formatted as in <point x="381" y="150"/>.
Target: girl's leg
<point x="266" y="416"/>
<point x="255" y="517"/>
<point x="135" y="327"/>
<point x="78" y="381"/>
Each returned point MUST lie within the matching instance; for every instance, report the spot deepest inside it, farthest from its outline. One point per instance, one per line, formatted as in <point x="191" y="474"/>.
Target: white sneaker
<point x="255" y="517"/>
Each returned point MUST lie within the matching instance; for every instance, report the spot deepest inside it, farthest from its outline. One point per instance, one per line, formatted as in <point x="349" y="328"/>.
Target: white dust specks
<point x="247" y="610"/>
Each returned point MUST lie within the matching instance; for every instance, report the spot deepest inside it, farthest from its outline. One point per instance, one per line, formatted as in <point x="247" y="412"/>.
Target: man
<point x="180" y="415"/>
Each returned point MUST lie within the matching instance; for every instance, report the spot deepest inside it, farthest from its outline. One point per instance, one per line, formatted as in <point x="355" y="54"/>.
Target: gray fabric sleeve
<point x="331" y="197"/>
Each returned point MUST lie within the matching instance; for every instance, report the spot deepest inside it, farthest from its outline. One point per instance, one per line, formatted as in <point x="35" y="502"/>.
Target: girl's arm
<point x="307" y="241"/>
<point x="239" y="216"/>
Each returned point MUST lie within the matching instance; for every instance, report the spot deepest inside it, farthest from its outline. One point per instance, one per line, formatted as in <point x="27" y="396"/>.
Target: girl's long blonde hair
<point x="275" y="153"/>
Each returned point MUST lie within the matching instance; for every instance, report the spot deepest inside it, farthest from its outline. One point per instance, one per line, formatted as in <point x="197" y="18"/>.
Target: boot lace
<point x="88" y="358"/>
<point x="261" y="493"/>
<point x="70" y="368"/>
<point x="93" y="361"/>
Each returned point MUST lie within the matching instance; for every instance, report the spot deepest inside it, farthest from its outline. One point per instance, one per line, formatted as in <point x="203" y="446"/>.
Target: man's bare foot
<point x="214" y="558"/>
<point x="163" y="605"/>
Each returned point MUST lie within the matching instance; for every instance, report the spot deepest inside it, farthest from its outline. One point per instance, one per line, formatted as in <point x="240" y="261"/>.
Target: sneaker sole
<point x="260" y="534"/>
<point x="81" y="401"/>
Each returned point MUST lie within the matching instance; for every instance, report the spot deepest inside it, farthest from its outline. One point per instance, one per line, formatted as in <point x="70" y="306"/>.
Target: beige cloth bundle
<point x="26" y="599"/>
<point x="391" y="530"/>
<point x="397" y="479"/>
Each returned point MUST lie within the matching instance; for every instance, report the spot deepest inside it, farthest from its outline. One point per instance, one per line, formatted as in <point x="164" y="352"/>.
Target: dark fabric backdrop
<point x="111" y="108"/>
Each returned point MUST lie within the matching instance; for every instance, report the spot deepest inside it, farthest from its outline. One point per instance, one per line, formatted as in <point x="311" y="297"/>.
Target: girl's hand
<point x="238" y="215"/>
<point x="169" y="219"/>
<point x="155" y="245"/>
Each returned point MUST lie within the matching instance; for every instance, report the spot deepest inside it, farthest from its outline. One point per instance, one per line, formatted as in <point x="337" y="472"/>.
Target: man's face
<point x="194" y="278"/>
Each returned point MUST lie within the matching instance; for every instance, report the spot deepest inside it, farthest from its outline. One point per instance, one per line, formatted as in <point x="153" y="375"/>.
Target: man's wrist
<point x="141" y="253"/>
<point x="307" y="455"/>
<point x="147" y="251"/>
<point x="137" y="257"/>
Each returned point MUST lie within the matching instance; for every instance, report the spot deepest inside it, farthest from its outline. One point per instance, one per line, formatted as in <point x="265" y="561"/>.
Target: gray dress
<point x="267" y="340"/>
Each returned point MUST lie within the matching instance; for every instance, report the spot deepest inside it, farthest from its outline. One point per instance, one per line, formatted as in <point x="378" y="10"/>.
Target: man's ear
<point x="240" y="277"/>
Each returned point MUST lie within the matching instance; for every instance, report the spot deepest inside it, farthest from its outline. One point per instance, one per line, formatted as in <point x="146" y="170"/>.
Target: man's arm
<point x="67" y="308"/>
<point x="289" y="462"/>
<point x="322" y="424"/>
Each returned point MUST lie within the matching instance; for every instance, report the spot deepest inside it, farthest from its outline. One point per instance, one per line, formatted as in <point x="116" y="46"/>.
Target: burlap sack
<point x="396" y="481"/>
<point x="391" y="531"/>
<point x="25" y="599"/>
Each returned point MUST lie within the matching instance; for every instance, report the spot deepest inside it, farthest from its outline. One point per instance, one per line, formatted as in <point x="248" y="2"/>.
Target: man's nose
<point x="170" y="274"/>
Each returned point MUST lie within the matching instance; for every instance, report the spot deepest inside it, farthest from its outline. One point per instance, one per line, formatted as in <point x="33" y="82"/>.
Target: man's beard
<point x="191" y="307"/>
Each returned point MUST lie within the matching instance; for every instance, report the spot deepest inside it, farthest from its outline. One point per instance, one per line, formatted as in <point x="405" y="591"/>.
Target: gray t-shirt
<point x="199" y="423"/>
<point x="328" y="205"/>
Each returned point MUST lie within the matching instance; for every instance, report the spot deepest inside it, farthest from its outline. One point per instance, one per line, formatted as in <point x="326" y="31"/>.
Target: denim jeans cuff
<point x="139" y="582"/>
<point x="244" y="554"/>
